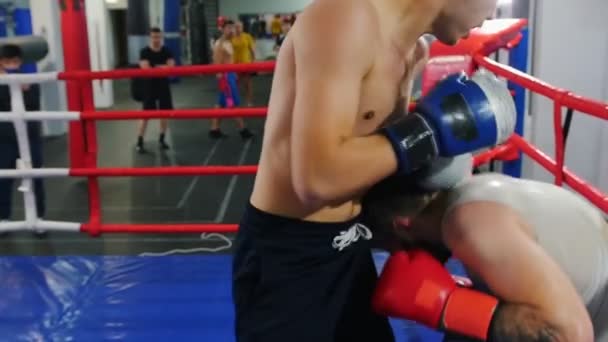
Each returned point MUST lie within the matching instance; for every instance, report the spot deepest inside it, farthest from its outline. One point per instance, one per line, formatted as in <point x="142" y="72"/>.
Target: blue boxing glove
<point x="460" y="115"/>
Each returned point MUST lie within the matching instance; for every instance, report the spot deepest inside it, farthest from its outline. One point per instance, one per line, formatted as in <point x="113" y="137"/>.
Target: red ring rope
<point x="508" y="151"/>
<point x="175" y="114"/>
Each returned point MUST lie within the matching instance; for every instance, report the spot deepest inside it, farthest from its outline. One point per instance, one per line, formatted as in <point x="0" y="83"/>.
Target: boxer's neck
<point x="404" y="21"/>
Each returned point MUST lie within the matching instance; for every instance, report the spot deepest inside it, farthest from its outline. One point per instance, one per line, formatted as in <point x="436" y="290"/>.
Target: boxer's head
<point x="156" y="38"/>
<point x="286" y="26"/>
<point x="238" y="28"/>
<point x="228" y="30"/>
<point x="458" y="17"/>
<point x="11" y="57"/>
<point x="402" y="213"/>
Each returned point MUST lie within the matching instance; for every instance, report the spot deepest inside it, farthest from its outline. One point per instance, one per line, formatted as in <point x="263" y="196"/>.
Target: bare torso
<point x="223" y="53"/>
<point x="384" y="94"/>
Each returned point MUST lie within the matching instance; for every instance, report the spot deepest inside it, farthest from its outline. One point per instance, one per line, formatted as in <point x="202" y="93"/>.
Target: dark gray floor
<point x="150" y="199"/>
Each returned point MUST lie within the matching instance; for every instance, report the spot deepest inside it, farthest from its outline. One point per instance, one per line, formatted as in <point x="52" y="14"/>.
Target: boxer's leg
<point x="236" y="97"/>
<point x="35" y="139"/>
<point x="292" y="284"/>
<point x="165" y="101"/>
<point x="149" y="103"/>
<point x="8" y="157"/>
<point x="359" y="322"/>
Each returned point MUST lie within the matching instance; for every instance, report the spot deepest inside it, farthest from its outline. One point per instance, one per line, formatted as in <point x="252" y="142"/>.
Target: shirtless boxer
<point x="303" y="270"/>
<point x="228" y="97"/>
<point x="539" y="251"/>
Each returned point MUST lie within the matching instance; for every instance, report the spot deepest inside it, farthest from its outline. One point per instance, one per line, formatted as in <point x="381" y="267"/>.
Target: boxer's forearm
<point x="345" y="171"/>
<point x="522" y="323"/>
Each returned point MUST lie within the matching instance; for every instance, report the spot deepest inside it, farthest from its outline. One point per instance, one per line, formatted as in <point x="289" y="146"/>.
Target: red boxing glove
<point x="417" y="287"/>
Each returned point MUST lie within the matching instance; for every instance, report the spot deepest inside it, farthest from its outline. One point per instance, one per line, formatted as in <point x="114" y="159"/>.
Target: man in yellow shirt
<point x="244" y="52"/>
<point x="275" y="25"/>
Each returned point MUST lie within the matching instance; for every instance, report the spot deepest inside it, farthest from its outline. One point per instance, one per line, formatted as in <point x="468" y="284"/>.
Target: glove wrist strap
<point x="469" y="313"/>
<point x="414" y="143"/>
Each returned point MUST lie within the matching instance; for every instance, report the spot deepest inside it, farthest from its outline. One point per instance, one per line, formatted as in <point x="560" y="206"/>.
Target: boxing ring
<point x="187" y="297"/>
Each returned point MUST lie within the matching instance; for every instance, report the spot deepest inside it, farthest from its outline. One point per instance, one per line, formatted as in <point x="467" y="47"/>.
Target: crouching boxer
<point x="539" y="252"/>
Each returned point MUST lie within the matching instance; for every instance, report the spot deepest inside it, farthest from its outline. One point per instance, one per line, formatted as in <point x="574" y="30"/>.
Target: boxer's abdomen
<point x="569" y="229"/>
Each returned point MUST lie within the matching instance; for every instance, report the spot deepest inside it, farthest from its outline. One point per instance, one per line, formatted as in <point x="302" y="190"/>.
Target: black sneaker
<point x="246" y="134"/>
<point x="163" y="145"/>
<point x="140" y="148"/>
<point x="216" y="134"/>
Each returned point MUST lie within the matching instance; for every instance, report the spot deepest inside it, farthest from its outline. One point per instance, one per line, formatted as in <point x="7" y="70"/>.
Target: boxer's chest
<point x="228" y="50"/>
<point x="385" y="93"/>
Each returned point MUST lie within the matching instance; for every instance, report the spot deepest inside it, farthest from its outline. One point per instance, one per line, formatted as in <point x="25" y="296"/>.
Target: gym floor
<point x="203" y="199"/>
<point x="146" y="287"/>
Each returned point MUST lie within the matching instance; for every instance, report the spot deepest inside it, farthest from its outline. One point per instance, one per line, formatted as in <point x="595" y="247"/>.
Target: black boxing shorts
<point x="303" y="281"/>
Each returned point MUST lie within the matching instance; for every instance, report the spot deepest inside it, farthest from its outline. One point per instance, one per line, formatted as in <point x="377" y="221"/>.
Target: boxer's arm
<point x="144" y="64"/>
<point x="144" y="61"/>
<point x="541" y="303"/>
<point x="252" y="48"/>
<point x="170" y="59"/>
<point x="333" y="55"/>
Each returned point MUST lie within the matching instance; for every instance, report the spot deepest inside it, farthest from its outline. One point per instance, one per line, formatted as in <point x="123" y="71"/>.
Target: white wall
<point x="232" y="8"/>
<point x="571" y="51"/>
<point x="46" y="22"/>
<point x="101" y="50"/>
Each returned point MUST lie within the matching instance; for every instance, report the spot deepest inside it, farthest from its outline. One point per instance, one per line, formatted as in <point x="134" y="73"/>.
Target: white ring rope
<point x="19" y="79"/>
<point x="39" y="225"/>
<point x="42" y="115"/>
<point x="34" y="173"/>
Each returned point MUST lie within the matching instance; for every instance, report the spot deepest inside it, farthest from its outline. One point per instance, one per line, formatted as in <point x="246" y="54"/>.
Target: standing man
<point x="303" y="269"/>
<point x="244" y="52"/>
<point x="223" y="53"/>
<point x="11" y="59"/>
<point x="275" y="25"/>
<point x="157" y="91"/>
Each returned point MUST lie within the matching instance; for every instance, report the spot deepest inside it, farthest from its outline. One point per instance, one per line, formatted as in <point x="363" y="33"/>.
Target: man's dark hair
<point x="155" y="30"/>
<point x="228" y="22"/>
<point x="393" y="197"/>
<point x="11" y="51"/>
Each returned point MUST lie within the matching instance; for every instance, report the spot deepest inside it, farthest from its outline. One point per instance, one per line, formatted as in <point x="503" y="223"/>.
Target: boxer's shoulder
<point x="484" y="187"/>
<point x="337" y="9"/>
<point x="347" y="19"/>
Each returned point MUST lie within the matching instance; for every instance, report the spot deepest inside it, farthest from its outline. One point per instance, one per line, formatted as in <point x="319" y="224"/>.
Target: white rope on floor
<point x="205" y="237"/>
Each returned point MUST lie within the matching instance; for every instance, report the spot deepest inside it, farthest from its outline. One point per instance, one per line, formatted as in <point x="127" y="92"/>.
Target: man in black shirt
<point x="157" y="92"/>
<point x="11" y="58"/>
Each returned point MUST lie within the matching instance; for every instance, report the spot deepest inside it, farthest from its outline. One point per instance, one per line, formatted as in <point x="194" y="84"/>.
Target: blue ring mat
<point x="131" y="298"/>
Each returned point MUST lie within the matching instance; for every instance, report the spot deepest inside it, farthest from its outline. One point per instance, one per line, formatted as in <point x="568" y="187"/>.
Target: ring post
<point x="518" y="59"/>
<point x="83" y="138"/>
<point x="73" y="23"/>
